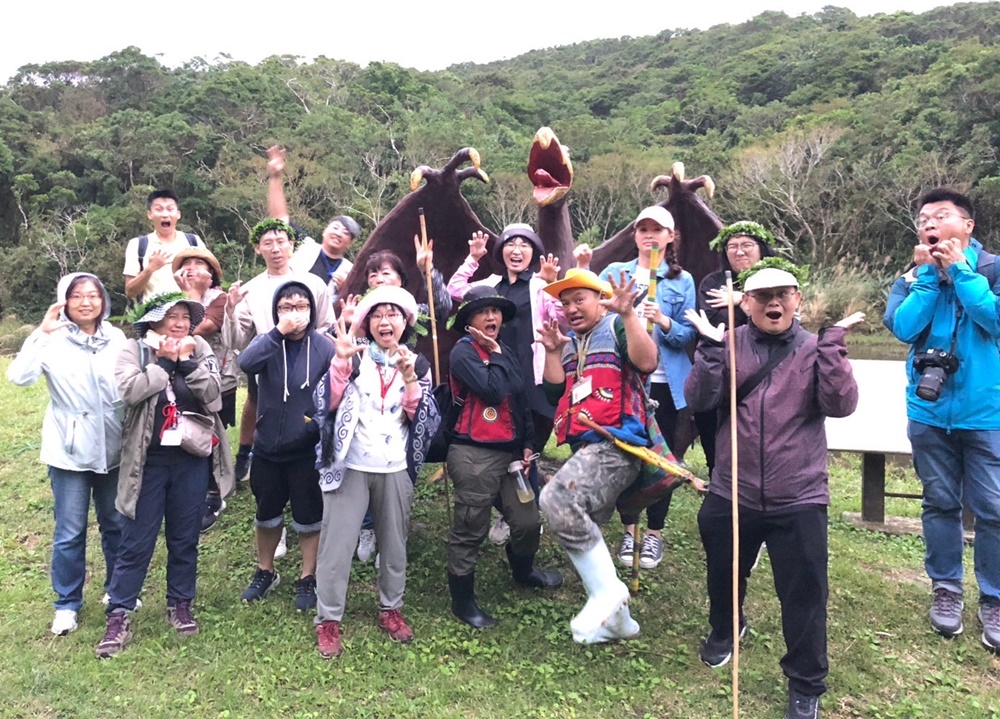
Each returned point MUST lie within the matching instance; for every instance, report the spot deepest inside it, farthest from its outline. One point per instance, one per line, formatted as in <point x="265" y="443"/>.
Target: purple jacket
<point x="781" y="440"/>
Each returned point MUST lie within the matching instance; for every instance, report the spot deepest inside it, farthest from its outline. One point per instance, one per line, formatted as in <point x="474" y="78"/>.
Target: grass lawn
<point x="261" y="661"/>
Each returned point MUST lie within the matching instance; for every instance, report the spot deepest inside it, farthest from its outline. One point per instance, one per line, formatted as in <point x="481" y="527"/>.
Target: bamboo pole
<point x="735" y="495"/>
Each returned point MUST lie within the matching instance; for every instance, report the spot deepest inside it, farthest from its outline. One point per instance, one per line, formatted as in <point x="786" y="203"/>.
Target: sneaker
<point x="392" y="623"/>
<point x="214" y="504"/>
<point x="366" y="545"/>
<point x="241" y="468"/>
<point x="499" y="532"/>
<point x="715" y="651"/>
<point x="116" y="636"/>
<point x="802" y="706"/>
<point x="328" y="639"/>
<point x="626" y="550"/>
<point x="282" y="549"/>
<point x="305" y="594"/>
<point x="180" y="618"/>
<point x="64" y="622"/>
<point x="263" y="581"/>
<point x="652" y="551"/>
<point x="989" y="617"/>
<point x="107" y="598"/>
<point x="946" y="612"/>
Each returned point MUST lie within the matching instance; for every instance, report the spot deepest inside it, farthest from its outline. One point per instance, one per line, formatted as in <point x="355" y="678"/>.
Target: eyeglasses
<point x="391" y="316"/>
<point x="782" y="295"/>
<point x="744" y="246"/>
<point x="91" y="297"/>
<point x="304" y="307"/>
<point x="937" y="218"/>
<point x="519" y="244"/>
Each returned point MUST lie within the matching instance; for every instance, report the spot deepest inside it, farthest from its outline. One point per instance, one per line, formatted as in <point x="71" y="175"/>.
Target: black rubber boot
<point x="526" y="574"/>
<point x="463" y="601"/>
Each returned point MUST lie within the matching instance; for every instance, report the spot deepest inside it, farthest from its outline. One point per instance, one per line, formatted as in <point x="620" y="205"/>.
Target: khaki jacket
<point x="139" y="385"/>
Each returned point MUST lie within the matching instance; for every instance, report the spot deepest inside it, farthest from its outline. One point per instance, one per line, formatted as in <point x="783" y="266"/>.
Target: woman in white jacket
<point x="75" y="348"/>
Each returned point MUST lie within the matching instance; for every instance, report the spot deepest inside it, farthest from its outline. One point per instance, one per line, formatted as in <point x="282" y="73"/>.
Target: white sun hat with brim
<point x="769" y="278"/>
<point x="384" y="295"/>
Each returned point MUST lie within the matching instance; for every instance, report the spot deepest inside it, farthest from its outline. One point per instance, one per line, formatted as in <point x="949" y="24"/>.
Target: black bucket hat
<point x="524" y="231"/>
<point x="478" y="298"/>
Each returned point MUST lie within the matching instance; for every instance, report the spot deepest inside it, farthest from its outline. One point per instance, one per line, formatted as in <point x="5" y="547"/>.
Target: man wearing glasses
<point x="946" y="308"/>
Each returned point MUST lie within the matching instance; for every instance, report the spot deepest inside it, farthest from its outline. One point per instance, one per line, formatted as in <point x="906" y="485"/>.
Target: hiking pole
<point x="430" y="300"/>
<point x="654" y="265"/>
<point x="735" y="494"/>
<point x="434" y="344"/>
<point x="633" y="588"/>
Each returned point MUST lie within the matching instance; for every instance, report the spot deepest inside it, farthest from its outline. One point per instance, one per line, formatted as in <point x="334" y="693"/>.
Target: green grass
<point x="261" y="661"/>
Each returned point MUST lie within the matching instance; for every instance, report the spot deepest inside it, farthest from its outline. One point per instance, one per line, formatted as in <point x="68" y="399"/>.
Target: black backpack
<point x="450" y="407"/>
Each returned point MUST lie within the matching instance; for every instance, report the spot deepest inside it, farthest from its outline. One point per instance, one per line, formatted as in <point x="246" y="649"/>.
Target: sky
<point x="429" y="35"/>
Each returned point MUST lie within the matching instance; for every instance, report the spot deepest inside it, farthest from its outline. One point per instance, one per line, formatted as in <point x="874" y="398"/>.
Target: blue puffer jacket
<point x="920" y="299"/>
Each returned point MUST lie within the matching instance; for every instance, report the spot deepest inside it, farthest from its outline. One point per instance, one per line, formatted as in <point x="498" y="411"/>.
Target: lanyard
<point x="384" y="386"/>
<point x="582" y="345"/>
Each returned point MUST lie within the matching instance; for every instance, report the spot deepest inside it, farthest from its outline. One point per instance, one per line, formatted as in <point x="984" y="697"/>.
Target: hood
<point x="63" y="286"/>
<point x="302" y="290"/>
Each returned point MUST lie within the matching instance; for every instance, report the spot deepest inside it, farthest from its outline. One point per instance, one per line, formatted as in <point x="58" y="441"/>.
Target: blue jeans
<point x="72" y="491"/>
<point x="173" y="492"/>
<point x="947" y="463"/>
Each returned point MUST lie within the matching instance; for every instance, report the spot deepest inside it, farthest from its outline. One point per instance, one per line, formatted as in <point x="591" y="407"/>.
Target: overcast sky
<point x="408" y="33"/>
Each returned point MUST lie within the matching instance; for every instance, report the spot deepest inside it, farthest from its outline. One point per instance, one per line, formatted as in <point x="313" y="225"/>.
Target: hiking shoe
<point x="499" y="532"/>
<point x="263" y="581"/>
<point x="392" y="623"/>
<point x="305" y="594"/>
<point x="241" y="468"/>
<point x="116" y="636"/>
<point x="626" y="550"/>
<point x="214" y="504"/>
<point x="652" y="551"/>
<point x="989" y="617"/>
<point x="180" y="618"/>
<point x="946" y="612"/>
<point x="282" y="549"/>
<point x="717" y="651"/>
<point x="802" y="706"/>
<point x="328" y="639"/>
<point x="64" y="622"/>
<point x="366" y="545"/>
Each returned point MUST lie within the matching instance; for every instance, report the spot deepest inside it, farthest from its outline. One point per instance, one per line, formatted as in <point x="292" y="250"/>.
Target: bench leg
<point x="873" y="487"/>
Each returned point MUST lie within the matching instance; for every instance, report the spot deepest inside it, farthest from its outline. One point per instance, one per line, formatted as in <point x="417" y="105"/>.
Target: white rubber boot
<point x="605" y="616"/>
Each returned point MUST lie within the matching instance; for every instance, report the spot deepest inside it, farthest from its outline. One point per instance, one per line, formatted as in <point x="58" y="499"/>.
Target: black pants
<point x="708" y="425"/>
<point x="797" y="545"/>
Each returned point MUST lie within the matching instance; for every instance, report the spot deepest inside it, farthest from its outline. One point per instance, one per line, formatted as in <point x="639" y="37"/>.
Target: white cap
<point x="768" y="278"/>
<point x="657" y="214"/>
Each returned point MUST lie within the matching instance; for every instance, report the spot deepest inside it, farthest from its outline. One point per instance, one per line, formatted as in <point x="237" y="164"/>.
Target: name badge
<point x="171" y="438"/>
<point x="582" y="389"/>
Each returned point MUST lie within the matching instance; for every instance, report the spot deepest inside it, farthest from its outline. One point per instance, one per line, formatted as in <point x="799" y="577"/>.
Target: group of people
<point x="340" y="415"/>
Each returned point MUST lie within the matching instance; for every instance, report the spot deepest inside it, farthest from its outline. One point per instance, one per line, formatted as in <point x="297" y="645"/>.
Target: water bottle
<point x="524" y="491"/>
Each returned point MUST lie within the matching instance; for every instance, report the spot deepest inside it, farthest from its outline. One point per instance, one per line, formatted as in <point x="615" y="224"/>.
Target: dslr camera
<point x="934" y="367"/>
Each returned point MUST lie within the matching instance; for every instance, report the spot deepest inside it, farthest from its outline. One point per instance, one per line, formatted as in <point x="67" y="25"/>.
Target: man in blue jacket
<point x="947" y="308"/>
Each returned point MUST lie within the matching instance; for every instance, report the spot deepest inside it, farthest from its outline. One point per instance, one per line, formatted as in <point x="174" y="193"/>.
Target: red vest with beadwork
<point x="483" y="422"/>
<point x="616" y="386"/>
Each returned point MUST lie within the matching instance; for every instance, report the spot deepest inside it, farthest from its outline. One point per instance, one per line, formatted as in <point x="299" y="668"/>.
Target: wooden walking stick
<point x="633" y="588"/>
<point x="434" y="344"/>
<point x="735" y="495"/>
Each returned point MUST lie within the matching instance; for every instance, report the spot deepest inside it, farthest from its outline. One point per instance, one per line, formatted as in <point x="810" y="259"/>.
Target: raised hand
<point x="169" y="348"/>
<point x="948" y="252"/>
<point x="406" y="364"/>
<point x="477" y="245"/>
<point x="549" y="268"/>
<point x="185" y="347"/>
<point x="699" y="320"/>
<point x="551" y="337"/>
<point x="348" y="307"/>
<point x="623" y="296"/>
<point x="583" y="253"/>
<point x="343" y="343"/>
<point x="425" y="255"/>
<point x="488" y="344"/>
<point x="234" y="296"/>
<point x="52" y="321"/>
<point x="718" y="298"/>
<point x="851" y="320"/>
<point x="275" y="161"/>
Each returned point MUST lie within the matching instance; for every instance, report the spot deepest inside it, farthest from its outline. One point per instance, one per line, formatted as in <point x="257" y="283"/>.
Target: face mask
<point x="301" y="318"/>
